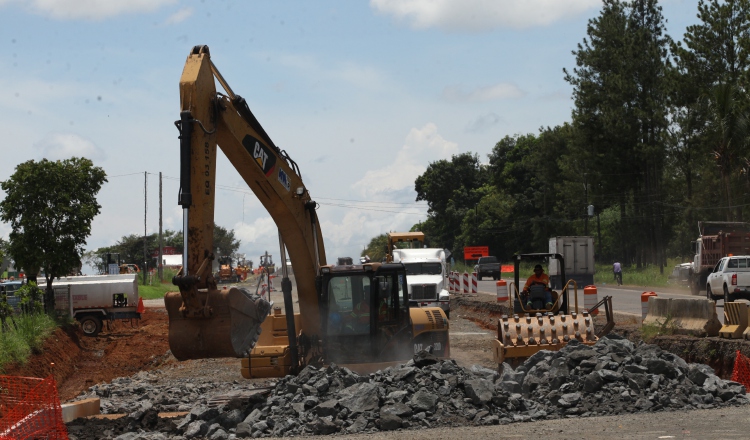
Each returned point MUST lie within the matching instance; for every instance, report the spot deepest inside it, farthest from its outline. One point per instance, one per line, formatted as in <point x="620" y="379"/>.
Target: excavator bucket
<point x="231" y="328"/>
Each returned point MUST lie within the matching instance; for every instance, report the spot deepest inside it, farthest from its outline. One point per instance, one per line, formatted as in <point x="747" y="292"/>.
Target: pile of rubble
<point x="612" y="377"/>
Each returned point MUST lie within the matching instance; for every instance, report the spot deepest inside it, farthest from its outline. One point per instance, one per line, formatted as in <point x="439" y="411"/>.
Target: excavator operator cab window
<point x="387" y="301"/>
<point x="349" y="305"/>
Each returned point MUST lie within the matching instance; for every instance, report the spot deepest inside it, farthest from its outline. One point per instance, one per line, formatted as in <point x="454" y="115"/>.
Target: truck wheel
<point x="709" y="295"/>
<point x="726" y="294"/>
<point x="91" y="325"/>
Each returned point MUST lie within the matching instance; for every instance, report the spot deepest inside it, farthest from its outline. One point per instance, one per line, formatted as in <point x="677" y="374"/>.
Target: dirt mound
<point x="80" y="361"/>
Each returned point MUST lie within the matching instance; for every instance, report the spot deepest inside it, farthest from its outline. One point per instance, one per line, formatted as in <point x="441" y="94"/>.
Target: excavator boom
<point x="204" y="321"/>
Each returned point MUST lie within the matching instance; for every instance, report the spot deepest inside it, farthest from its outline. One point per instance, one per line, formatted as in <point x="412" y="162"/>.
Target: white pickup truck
<point x="730" y="279"/>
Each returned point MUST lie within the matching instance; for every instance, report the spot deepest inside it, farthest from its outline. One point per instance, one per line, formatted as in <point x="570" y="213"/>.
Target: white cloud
<point x="483" y="122"/>
<point x="481" y="15"/>
<point x="495" y="92"/>
<point x="422" y="146"/>
<point x="358" y="75"/>
<point x="179" y="16"/>
<point x="263" y="231"/>
<point x="94" y="9"/>
<point x="62" y="146"/>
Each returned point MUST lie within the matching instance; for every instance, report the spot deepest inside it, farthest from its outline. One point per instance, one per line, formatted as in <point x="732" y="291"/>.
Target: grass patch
<point x="645" y="276"/>
<point x="660" y="328"/>
<point x="24" y="337"/>
<point x="154" y="288"/>
<point x="156" y="291"/>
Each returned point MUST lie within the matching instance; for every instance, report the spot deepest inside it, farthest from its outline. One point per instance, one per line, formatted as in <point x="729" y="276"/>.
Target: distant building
<point x="172" y="261"/>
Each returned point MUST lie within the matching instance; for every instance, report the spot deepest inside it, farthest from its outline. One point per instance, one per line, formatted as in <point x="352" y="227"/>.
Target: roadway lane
<point x="625" y="299"/>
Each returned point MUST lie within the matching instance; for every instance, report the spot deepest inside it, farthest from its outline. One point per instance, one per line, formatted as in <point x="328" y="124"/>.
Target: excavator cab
<point x="365" y="313"/>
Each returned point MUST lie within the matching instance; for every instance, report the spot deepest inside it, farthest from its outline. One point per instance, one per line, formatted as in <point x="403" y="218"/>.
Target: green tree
<point x="375" y="248"/>
<point x="712" y="66"/>
<point x="130" y="247"/>
<point x="448" y="188"/>
<point x="50" y="207"/>
<point x="620" y="88"/>
<point x="225" y="242"/>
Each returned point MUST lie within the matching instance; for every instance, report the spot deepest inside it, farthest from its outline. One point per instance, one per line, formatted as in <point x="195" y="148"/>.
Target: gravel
<point x="610" y="378"/>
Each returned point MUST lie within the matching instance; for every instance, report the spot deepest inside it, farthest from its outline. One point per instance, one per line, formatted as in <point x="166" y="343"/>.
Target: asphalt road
<point x="625" y="299"/>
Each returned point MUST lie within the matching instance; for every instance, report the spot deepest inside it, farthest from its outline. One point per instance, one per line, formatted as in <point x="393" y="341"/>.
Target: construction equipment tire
<point x="91" y="325"/>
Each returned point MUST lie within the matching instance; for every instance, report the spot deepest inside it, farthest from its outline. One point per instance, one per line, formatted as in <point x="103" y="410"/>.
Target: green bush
<point x="666" y="327"/>
<point x="24" y="336"/>
<point x="30" y="298"/>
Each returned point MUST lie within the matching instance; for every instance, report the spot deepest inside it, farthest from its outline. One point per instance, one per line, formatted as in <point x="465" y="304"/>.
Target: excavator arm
<point x="206" y="322"/>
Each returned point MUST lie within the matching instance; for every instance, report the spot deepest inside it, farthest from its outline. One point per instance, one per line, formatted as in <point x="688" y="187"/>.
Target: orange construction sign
<point x="475" y="252"/>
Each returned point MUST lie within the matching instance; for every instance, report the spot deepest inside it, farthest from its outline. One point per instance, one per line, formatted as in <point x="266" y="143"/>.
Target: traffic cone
<point x="141" y="308"/>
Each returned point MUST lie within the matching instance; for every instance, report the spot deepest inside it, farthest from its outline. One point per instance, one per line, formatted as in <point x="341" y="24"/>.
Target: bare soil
<point x="78" y="362"/>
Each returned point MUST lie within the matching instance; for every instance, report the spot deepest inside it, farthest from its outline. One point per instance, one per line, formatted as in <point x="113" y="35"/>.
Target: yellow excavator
<point x="356" y="315"/>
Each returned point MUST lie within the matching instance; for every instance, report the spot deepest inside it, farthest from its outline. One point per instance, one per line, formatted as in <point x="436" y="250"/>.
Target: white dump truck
<point x="426" y="277"/>
<point x="94" y="299"/>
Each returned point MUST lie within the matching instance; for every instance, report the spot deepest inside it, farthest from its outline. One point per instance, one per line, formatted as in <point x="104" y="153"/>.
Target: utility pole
<point x="161" y="237"/>
<point x="476" y="226"/>
<point x="586" y="196"/>
<point x="145" y="212"/>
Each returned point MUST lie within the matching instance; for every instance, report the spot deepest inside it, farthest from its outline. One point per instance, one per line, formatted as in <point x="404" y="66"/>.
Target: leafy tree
<point x="620" y="87"/>
<point x="447" y="187"/>
<point x="50" y="207"/>
<point x="376" y="248"/>
<point x="225" y="241"/>
<point x="713" y="66"/>
<point x="130" y="247"/>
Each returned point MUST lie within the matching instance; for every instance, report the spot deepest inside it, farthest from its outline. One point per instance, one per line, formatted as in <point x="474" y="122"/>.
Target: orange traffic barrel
<point x="644" y="302"/>
<point x="590" y="299"/>
<point x="502" y="291"/>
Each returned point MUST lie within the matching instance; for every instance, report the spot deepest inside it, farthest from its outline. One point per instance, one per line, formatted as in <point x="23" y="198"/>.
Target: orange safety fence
<point x="506" y="268"/>
<point x="741" y="371"/>
<point x="30" y="408"/>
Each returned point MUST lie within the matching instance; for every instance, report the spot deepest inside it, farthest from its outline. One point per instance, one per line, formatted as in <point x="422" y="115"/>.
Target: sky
<point x="362" y="95"/>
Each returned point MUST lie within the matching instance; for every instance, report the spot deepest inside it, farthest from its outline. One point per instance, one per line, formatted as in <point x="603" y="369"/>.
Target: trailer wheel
<point x="91" y="325"/>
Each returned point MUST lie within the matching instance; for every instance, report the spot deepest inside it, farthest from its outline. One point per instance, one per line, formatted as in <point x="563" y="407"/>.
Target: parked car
<point x="9" y="288"/>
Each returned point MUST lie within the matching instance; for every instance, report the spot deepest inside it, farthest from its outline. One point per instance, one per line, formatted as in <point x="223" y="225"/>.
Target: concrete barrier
<point x="691" y="316"/>
<point x="81" y="408"/>
<point x="735" y="320"/>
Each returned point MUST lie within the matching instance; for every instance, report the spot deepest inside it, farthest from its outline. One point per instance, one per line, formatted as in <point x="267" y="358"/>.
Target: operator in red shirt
<point x="541" y="278"/>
